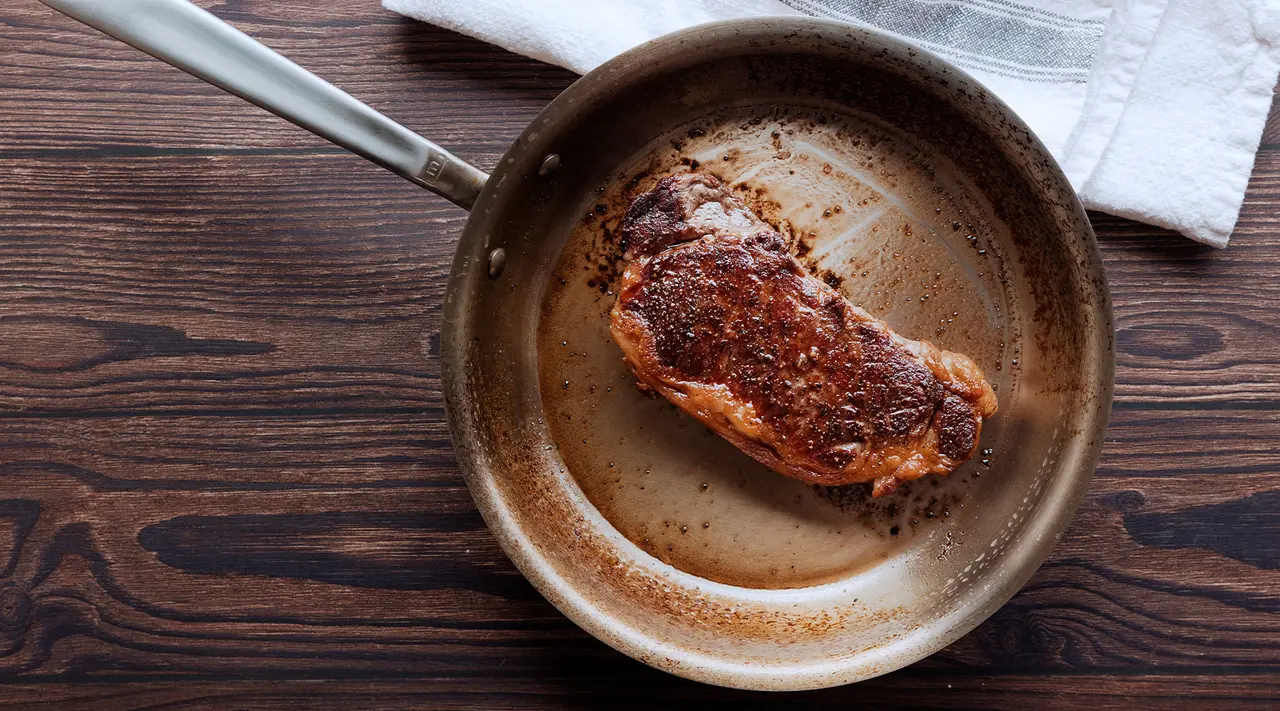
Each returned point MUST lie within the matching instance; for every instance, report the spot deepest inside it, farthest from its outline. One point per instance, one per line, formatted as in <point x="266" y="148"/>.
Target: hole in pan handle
<point x="191" y="39"/>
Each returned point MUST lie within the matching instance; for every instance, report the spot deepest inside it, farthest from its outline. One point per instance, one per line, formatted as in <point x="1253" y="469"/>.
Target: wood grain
<point x="225" y="476"/>
<point x="935" y="691"/>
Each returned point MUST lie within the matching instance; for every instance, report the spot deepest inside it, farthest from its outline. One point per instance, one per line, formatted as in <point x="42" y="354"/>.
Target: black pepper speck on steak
<point x="717" y="316"/>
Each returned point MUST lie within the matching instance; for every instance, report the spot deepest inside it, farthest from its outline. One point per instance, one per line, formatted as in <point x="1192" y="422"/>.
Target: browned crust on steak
<point x="717" y="316"/>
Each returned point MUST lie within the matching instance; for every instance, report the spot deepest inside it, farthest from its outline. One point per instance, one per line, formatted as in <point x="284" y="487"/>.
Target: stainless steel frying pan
<point x="894" y="176"/>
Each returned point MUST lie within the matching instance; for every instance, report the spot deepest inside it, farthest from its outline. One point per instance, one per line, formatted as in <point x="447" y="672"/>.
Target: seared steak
<point x="717" y="316"/>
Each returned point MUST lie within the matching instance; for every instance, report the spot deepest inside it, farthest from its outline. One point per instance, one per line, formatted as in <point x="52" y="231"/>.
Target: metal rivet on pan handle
<point x="497" y="261"/>
<point x="549" y="165"/>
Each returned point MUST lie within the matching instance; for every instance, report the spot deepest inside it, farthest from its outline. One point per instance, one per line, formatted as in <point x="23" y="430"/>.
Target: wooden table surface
<point x="225" y="474"/>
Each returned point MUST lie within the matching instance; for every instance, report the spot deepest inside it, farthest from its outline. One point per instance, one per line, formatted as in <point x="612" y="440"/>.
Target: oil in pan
<point x="877" y="217"/>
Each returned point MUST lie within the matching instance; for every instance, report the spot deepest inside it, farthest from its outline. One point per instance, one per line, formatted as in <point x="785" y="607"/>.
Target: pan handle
<point x="181" y="34"/>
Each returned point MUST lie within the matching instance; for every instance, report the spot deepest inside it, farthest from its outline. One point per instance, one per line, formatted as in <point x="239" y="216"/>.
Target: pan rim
<point x="1026" y="552"/>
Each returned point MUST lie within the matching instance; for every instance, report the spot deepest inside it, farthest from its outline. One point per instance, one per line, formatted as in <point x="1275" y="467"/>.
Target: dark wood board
<point x="225" y="475"/>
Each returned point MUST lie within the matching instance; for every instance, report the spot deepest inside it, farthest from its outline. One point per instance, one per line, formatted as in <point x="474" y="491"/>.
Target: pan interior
<point x="889" y="222"/>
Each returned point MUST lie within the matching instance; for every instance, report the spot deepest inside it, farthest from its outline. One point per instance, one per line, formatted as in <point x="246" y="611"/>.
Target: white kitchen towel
<point x="1154" y="108"/>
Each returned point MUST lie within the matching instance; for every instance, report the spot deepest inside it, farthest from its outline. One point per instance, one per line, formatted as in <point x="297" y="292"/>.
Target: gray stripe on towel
<point x="995" y="36"/>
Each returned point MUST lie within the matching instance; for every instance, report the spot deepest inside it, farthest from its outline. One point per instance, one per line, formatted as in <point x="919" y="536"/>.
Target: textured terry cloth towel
<point x="1154" y="108"/>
